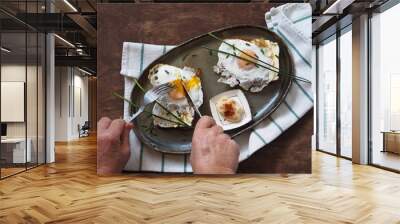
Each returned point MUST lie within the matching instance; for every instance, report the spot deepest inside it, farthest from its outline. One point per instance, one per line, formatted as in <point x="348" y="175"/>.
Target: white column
<point x="360" y="90"/>
<point x="50" y="110"/>
<point x="50" y="93"/>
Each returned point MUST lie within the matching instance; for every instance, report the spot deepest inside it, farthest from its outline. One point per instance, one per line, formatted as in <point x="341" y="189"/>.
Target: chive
<point x="125" y="99"/>
<point x="140" y="87"/>
<point x="169" y="112"/>
<point x="184" y="57"/>
<point x="162" y="118"/>
<point x="234" y="48"/>
<point x="166" y="119"/>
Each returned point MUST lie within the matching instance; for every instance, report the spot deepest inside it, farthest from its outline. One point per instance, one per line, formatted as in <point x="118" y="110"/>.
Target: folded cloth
<point x="292" y="22"/>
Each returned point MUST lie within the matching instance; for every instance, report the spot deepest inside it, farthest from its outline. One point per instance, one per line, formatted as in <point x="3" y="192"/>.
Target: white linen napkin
<point x="292" y="22"/>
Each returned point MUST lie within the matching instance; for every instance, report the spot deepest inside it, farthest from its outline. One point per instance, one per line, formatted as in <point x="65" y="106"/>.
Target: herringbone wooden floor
<point x="69" y="191"/>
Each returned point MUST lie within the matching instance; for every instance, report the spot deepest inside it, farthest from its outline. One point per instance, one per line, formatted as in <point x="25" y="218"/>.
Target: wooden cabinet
<point x="391" y="142"/>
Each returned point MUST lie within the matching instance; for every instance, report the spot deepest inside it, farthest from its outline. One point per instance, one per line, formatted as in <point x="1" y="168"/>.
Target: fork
<point x="152" y="95"/>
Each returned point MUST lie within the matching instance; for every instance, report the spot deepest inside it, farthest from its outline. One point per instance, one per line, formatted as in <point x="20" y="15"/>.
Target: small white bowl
<point x="240" y="98"/>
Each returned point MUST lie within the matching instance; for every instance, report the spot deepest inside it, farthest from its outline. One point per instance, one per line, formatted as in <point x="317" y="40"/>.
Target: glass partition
<point x="14" y="153"/>
<point x="31" y="97"/>
<point x="327" y="96"/>
<point x="41" y="96"/>
<point x="334" y="89"/>
<point x="346" y="93"/>
<point x="23" y="91"/>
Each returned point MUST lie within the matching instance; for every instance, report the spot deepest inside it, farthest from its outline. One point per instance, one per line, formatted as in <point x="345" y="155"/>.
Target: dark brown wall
<point x="92" y="86"/>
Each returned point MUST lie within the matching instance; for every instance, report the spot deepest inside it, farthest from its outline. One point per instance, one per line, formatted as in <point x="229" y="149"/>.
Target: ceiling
<point x="75" y="22"/>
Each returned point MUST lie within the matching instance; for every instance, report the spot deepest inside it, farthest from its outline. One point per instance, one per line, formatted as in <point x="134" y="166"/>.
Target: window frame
<point x="334" y="37"/>
<point x="381" y="9"/>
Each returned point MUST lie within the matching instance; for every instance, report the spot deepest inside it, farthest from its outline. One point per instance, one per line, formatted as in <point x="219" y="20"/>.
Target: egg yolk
<point x="178" y="92"/>
<point x="248" y="61"/>
<point x="192" y="83"/>
<point x="261" y="42"/>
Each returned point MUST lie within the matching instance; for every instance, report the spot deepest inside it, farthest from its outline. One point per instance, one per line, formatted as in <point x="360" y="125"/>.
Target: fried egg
<point x="246" y="72"/>
<point x="175" y="101"/>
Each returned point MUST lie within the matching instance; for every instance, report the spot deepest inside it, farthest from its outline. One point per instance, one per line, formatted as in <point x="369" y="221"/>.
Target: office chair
<point x="84" y="130"/>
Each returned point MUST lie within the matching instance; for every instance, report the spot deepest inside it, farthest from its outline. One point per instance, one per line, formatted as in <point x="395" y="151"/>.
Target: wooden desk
<point x="173" y="23"/>
<point x="13" y="150"/>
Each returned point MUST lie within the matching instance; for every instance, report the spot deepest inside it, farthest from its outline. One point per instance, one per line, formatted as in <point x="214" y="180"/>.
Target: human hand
<point x="112" y="145"/>
<point x="213" y="152"/>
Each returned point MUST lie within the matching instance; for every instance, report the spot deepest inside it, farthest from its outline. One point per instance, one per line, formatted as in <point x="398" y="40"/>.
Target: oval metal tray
<point x="190" y="53"/>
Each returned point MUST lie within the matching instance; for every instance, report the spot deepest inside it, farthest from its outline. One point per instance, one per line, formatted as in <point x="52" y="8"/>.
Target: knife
<point x="190" y="101"/>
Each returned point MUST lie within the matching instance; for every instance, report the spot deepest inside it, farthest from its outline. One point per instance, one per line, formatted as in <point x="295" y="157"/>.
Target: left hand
<point x="113" y="150"/>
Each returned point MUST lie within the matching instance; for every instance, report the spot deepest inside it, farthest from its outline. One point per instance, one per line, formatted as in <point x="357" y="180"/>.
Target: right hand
<point x="213" y="152"/>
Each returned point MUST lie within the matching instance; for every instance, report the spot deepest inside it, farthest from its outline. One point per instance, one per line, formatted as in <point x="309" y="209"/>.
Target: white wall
<point x="71" y="102"/>
<point x="61" y="103"/>
<point x="80" y="109"/>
